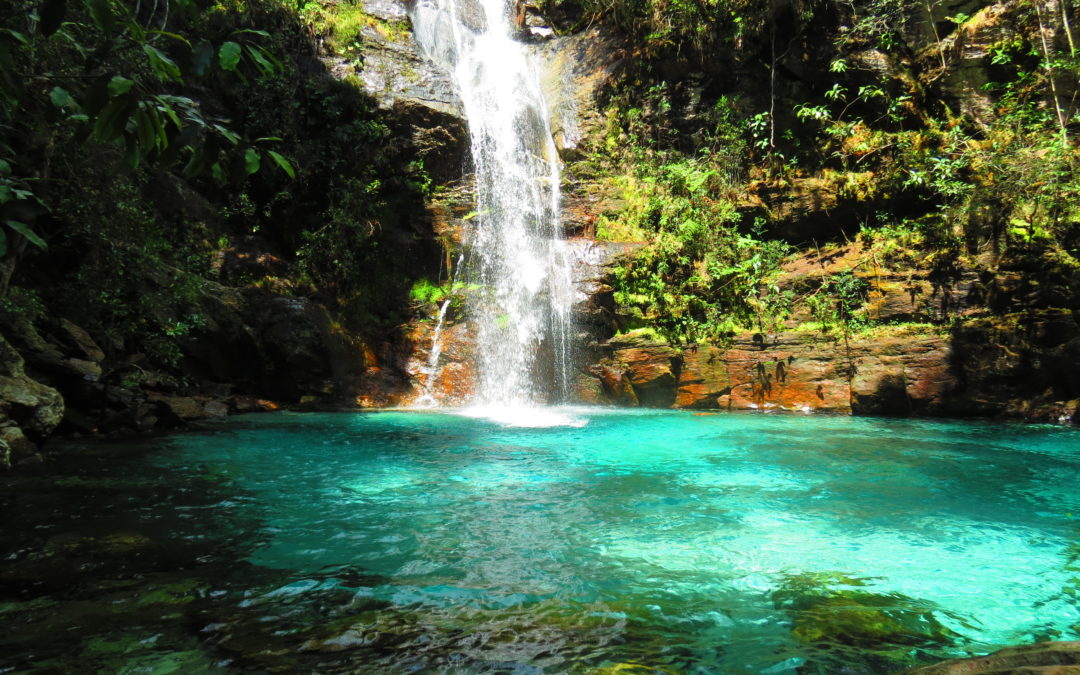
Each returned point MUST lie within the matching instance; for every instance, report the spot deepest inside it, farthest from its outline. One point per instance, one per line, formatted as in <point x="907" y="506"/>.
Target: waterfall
<point x="517" y="258"/>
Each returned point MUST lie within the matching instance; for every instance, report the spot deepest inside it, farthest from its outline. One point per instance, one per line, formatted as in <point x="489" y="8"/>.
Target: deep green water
<point x="434" y="542"/>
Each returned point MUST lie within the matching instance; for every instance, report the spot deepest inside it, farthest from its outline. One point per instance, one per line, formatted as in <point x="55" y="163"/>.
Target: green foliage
<point x="343" y="25"/>
<point x="152" y="144"/>
<point x="665" y="27"/>
<point x="105" y="74"/>
<point x="426" y="292"/>
<point x="21" y="304"/>
<point x="699" y="277"/>
<point x="837" y="301"/>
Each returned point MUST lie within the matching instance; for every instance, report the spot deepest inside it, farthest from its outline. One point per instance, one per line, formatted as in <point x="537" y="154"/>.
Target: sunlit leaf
<point x="120" y="85"/>
<point x="229" y="55"/>
<point x="25" y="231"/>
<point x="282" y="162"/>
<point x="228" y="134"/>
<point x="251" y="161"/>
<point x="61" y="98"/>
<point x="113" y="118"/>
<point x="264" y="65"/>
<point x="165" y="67"/>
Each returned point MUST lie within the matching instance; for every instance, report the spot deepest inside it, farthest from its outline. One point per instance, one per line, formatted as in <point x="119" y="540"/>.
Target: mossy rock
<point x="824" y="613"/>
<point x="628" y="669"/>
<point x="177" y="593"/>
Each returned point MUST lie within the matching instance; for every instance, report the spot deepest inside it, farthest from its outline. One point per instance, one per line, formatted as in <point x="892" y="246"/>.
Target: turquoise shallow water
<point x="629" y="541"/>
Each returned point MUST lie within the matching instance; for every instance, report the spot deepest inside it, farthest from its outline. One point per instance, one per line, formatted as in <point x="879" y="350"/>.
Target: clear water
<point x="517" y="258"/>
<point x="630" y="541"/>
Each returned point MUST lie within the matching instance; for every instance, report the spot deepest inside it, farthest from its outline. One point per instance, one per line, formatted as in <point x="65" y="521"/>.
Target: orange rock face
<point x="787" y="372"/>
<point x="897" y="374"/>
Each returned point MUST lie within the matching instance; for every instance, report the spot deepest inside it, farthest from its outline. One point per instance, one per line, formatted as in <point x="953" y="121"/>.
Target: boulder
<point x="82" y="342"/>
<point x="14" y="446"/>
<point x="35" y="408"/>
<point x="180" y="408"/>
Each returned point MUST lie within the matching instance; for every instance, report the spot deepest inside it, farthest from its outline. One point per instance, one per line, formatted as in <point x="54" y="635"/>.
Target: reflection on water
<point x="399" y="541"/>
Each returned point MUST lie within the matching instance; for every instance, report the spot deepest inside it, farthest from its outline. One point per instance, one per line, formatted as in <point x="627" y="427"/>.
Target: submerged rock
<point x="830" y="611"/>
<point x="1042" y="658"/>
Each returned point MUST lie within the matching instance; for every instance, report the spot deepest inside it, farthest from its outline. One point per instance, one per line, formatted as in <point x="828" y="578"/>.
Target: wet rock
<point x="247" y="404"/>
<point x="577" y="69"/>
<point x="181" y="408"/>
<point x="455" y="375"/>
<point x="35" y="408"/>
<point x="831" y="611"/>
<point x="649" y="366"/>
<point x="615" y="385"/>
<point x="215" y="409"/>
<point x="900" y="374"/>
<point x="82" y="342"/>
<point x="703" y="379"/>
<point x="14" y="446"/>
<point x="70" y="557"/>
<point x="1042" y="658"/>
<point x="589" y="390"/>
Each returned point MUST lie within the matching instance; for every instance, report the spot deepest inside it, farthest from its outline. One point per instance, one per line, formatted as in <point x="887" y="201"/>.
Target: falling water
<point x="431" y="369"/>
<point x="518" y="258"/>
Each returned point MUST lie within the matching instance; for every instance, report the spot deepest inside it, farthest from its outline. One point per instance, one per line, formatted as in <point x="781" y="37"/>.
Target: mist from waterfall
<point x="516" y="255"/>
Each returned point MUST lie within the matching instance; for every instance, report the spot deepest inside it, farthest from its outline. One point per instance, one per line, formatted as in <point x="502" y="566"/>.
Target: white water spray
<point x="518" y="258"/>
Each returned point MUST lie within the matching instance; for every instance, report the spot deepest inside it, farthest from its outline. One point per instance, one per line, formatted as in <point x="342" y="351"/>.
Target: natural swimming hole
<point x="612" y="541"/>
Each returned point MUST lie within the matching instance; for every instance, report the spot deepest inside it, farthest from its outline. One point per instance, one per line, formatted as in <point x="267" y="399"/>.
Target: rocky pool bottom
<point x="601" y="541"/>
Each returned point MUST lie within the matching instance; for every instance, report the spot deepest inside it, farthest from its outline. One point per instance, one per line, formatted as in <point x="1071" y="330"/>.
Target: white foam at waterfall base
<point x="525" y="416"/>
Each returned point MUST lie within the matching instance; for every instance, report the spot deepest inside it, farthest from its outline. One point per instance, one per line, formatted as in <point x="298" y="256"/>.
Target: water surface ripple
<point x="655" y="541"/>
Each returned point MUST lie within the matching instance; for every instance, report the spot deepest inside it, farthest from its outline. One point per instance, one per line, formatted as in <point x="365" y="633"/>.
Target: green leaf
<point x="174" y="36"/>
<point x="113" y="118"/>
<point x="15" y="35"/>
<point x="282" y="163"/>
<point x="251" y="161"/>
<point x="25" y="231"/>
<point x="198" y="162"/>
<point x="6" y="194"/>
<point x="51" y="16"/>
<point x="229" y="55"/>
<point x="252" y="31"/>
<point x="5" y="168"/>
<point x="3" y="244"/>
<point x="264" y="65"/>
<point x="145" y="130"/>
<point x="61" y="98"/>
<point x="11" y="86"/>
<point x="202" y="58"/>
<point x="268" y="138"/>
<point x="164" y="107"/>
<point x="101" y="13"/>
<point x="119" y="85"/>
<point x="228" y="134"/>
<point x="97" y="95"/>
<point x="165" y="67"/>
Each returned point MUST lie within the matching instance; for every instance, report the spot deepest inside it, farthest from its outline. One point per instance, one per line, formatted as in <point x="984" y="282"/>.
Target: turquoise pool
<point x="595" y="541"/>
